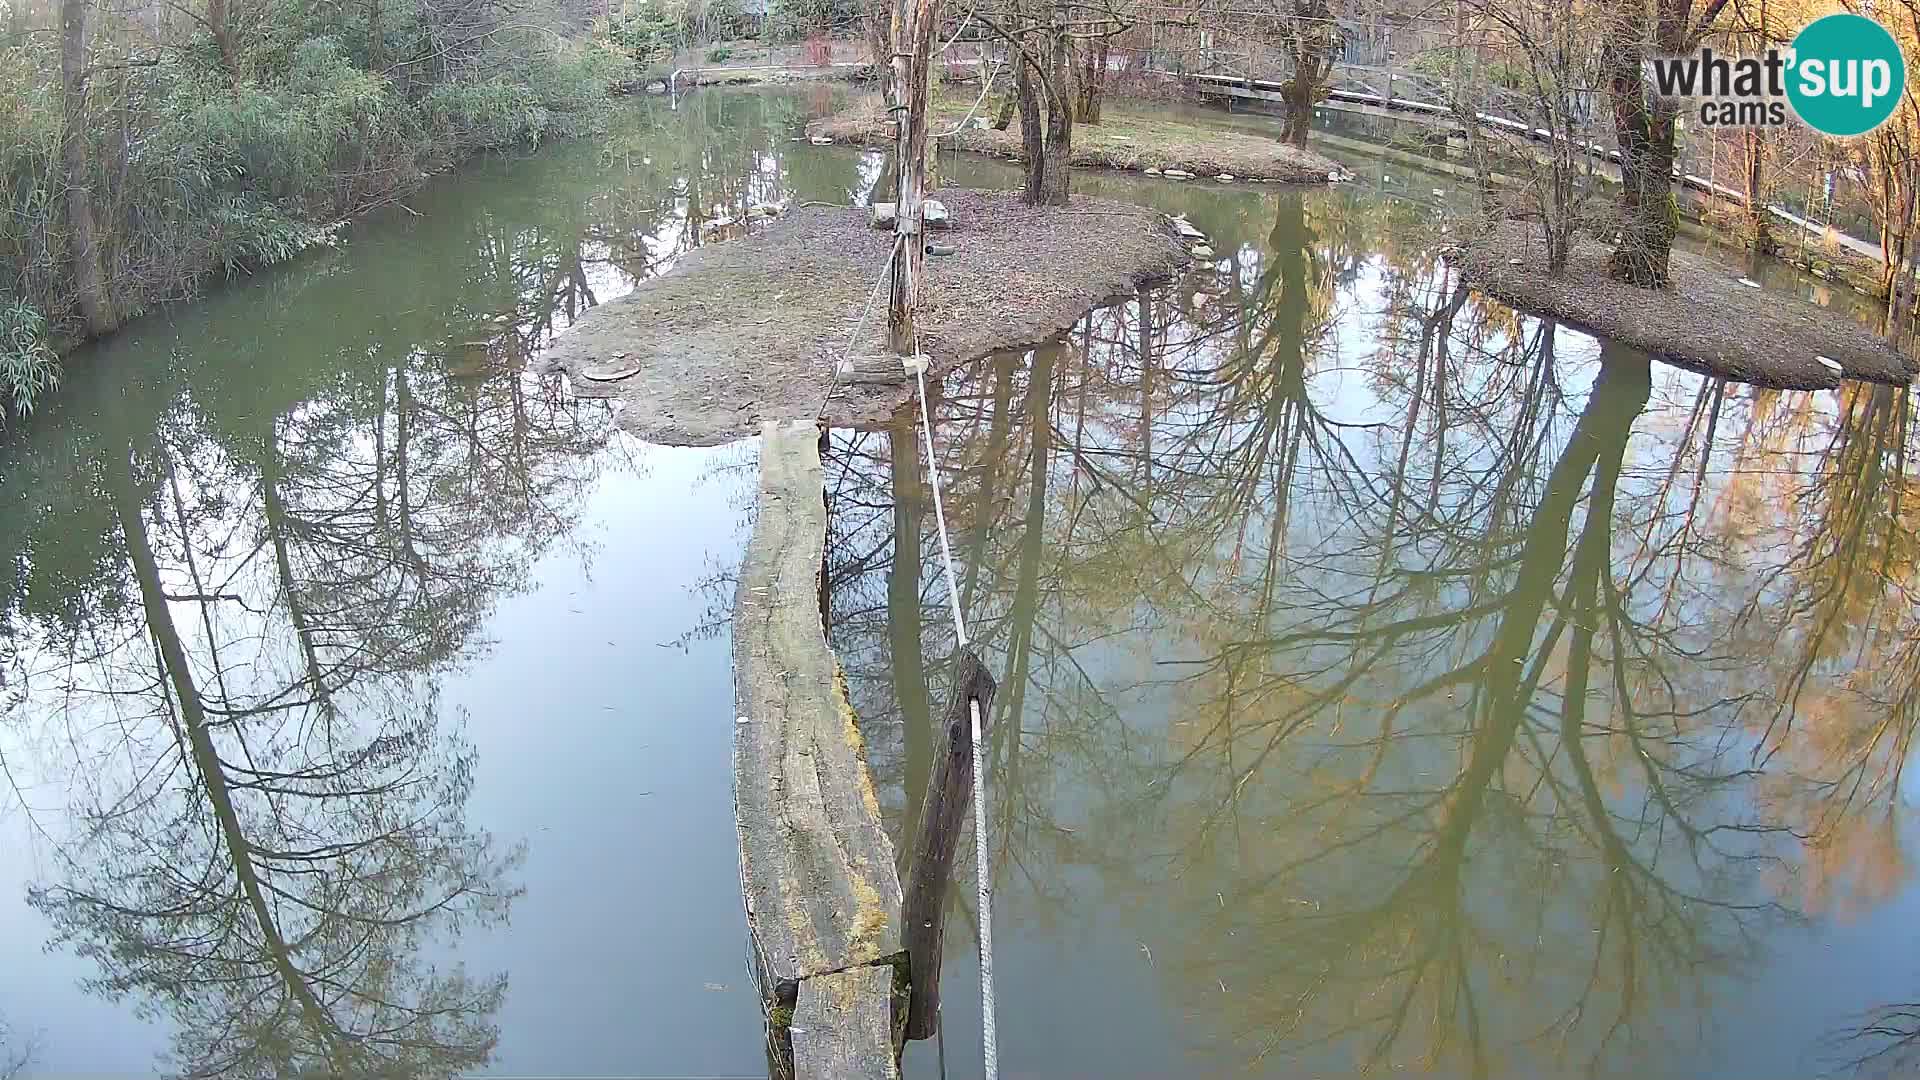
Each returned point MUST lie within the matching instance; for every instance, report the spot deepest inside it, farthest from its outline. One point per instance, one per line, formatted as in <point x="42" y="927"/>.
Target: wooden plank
<point x="816" y="868"/>
<point x="872" y="368"/>
<point x="949" y="794"/>
<point x="843" y="1027"/>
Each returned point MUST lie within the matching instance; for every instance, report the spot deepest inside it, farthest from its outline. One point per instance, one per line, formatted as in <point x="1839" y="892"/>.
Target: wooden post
<point x="826" y="500"/>
<point x="949" y="793"/>
<point x="912" y="60"/>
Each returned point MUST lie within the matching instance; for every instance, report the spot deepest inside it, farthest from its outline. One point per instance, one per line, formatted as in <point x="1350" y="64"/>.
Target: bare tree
<point x="1554" y="40"/>
<point x="1632" y="32"/>
<point x="1042" y="38"/>
<point x="1311" y="37"/>
<point x="16" y="1051"/>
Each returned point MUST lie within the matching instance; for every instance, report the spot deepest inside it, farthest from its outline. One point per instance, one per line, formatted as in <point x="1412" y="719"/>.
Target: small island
<point x="752" y="331"/>
<point x="1706" y="320"/>
<point x="1127" y="139"/>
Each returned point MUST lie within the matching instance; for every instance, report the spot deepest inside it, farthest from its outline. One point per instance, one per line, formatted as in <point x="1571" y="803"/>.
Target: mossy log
<point x="816" y="868"/>
<point x="843" y="1027"/>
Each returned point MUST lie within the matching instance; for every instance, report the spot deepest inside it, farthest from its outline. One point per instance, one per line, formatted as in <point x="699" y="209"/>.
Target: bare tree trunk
<point x="880" y="25"/>
<point x="1644" y="131"/>
<point x="1754" y="162"/>
<point x="1647" y="215"/>
<point x="1093" y="79"/>
<point x="1900" y="214"/>
<point x="1298" y="94"/>
<point x="1083" y="61"/>
<point x="83" y="243"/>
<point x="1313" y="42"/>
<point x="1754" y="147"/>
<point x="932" y="180"/>
<point x="1059" y="147"/>
<point x="1904" y="268"/>
<point x="222" y="37"/>
<point x="1032" y="144"/>
<point x="1896" y="243"/>
<point x="375" y="45"/>
<point x="1884" y="157"/>
<point x="1058" y="150"/>
<point x="1009" y="101"/>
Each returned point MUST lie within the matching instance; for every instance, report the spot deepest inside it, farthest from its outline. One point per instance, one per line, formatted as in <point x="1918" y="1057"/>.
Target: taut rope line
<point x="983" y="880"/>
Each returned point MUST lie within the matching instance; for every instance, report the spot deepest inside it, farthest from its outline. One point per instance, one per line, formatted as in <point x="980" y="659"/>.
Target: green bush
<point x="563" y="93"/>
<point x="28" y="366"/>
<point x="280" y="141"/>
<point x="203" y="170"/>
<point x="29" y="172"/>
<point x="647" y="38"/>
<point x="1437" y="63"/>
<point x="791" y="21"/>
<point x="485" y="112"/>
<point x="572" y="84"/>
<point x="719" y="54"/>
<point x="248" y="231"/>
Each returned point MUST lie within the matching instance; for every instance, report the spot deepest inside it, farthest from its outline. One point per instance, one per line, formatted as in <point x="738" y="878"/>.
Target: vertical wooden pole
<point x="949" y="792"/>
<point x="912" y="60"/>
<point x="825" y="587"/>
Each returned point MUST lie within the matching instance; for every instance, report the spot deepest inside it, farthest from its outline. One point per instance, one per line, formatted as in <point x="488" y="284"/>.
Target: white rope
<point x="846" y="354"/>
<point x="940" y="515"/>
<point x="985" y="88"/>
<point x="964" y="23"/>
<point x="989" y="1038"/>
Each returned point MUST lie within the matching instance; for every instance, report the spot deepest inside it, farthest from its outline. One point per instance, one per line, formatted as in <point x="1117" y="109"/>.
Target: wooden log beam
<point x="816" y="868"/>
<point x="949" y="793"/>
<point x="843" y="1027"/>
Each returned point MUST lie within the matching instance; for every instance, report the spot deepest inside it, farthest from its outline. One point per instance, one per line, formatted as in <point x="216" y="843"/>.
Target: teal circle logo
<point x="1846" y="75"/>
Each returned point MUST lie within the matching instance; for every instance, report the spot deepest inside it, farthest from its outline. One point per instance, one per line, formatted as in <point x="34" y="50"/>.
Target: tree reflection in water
<point x="1431" y="689"/>
<point x="1415" y="682"/>
<point x="262" y="585"/>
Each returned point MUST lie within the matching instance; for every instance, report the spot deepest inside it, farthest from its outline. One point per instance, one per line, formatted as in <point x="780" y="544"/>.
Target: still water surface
<point x="1388" y="680"/>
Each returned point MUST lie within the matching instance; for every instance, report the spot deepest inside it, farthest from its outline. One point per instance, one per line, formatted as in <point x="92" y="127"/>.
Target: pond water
<point x="1388" y="680"/>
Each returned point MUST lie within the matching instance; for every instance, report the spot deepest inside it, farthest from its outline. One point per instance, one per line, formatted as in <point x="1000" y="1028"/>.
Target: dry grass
<point x="1707" y="321"/>
<point x="1122" y="140"/>
<point x="749" y="331"/>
